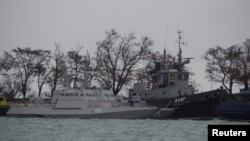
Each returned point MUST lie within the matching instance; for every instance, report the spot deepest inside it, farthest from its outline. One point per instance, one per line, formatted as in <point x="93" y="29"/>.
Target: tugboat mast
<point x="180" y="51"/>
<point x="180" y="62"/>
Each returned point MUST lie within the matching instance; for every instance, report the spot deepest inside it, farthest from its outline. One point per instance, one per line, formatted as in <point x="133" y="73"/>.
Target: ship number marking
<point x="180" y="99"/>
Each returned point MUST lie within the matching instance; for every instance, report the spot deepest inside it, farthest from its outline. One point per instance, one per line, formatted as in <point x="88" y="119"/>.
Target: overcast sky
<point x="40" y="24"/>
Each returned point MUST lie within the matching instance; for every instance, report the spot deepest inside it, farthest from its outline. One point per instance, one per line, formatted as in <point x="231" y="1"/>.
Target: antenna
<point x="65" y="74"/>
<point x="166" y="34"/>
<point x="165" y="42"/>
<point x="86" y="71"/>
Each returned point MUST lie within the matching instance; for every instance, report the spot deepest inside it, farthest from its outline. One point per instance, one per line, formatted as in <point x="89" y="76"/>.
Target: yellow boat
<point x="3" y="106"/>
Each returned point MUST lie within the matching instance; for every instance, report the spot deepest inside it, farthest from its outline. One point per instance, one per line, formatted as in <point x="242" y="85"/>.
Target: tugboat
<point x="84" y="103"/>
<point x="170" y="87"/>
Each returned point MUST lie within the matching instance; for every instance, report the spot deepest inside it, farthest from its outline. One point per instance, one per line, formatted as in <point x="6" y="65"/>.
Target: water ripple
<point x="46" y="129"/>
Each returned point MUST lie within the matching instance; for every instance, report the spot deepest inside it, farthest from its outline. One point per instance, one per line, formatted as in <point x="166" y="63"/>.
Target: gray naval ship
<point x="86" y="103"/>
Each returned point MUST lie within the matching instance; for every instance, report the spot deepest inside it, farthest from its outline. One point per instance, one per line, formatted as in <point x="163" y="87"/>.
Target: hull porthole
<point x="206" y="97"/>
<point x="215" y="95"/>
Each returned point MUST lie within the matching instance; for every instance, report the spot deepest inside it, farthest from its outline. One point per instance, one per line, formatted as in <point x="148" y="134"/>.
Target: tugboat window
<point x="172" y="76"/>
<point x="186" y="77"/>
<point x="165" y="81"/>
<point x="158" y="77"/>
<point x="179" y="77"/>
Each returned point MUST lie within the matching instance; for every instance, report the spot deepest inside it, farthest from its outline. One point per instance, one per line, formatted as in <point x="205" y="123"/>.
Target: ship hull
<point x="4" y="109"/>
<point x="163" y="113"/>
<point x="234" y="111"/>
<point x="235" y="107"/>
<point x="197" y="106"/>
<point x="104" y="113"/>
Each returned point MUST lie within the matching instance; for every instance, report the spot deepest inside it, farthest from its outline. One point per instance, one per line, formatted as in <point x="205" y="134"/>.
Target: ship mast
<point x="180" y="62"/>
<point x="66" y="76"/>
<point x="180" y="42"/>
<point x="86" y="73"/>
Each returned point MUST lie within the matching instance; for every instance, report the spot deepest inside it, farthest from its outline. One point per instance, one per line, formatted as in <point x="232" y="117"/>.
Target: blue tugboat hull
<point x="234" y="111"/>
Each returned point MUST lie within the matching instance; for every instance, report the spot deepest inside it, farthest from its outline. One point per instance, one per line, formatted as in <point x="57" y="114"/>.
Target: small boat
<point x="235" y="107"/>
<point x="3" y="106"/>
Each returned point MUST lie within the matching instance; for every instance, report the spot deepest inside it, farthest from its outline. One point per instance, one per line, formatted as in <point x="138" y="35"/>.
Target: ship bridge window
<point x="71" y="94"/>
<point x="100" y="95"/>
<point x="82" y="94"/>
<point x="62" y="94"/>
<point x="76" y="94"/>
<point x="182" y="77"/>
<point x="172" y="76"/>
<point x="158" y="77"/>
<point x="186" y="77"/>
<point x="179" y="77"/>
<point x="89" y="95"/>
<point x="67" y="94"/>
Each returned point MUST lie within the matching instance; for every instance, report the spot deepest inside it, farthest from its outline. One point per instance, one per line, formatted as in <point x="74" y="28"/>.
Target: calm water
<point x="45" y="129"/>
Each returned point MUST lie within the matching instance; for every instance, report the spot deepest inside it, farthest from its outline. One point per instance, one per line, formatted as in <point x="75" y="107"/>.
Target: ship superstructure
<point x="170" y="80"/>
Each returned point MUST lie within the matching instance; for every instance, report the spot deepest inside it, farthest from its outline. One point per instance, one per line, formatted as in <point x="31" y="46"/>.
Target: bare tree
<point x="22" y="62"/>
<point x="11" y="85"/>
<point x="42" y="69"/>
<point x="57" y="68"/>
<point x="119" y="56"/>
<point x="245" y="60"/>
<point x="223" y="65"/>
<point x="76" y="64"/>
<point x="99" y="70"/>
